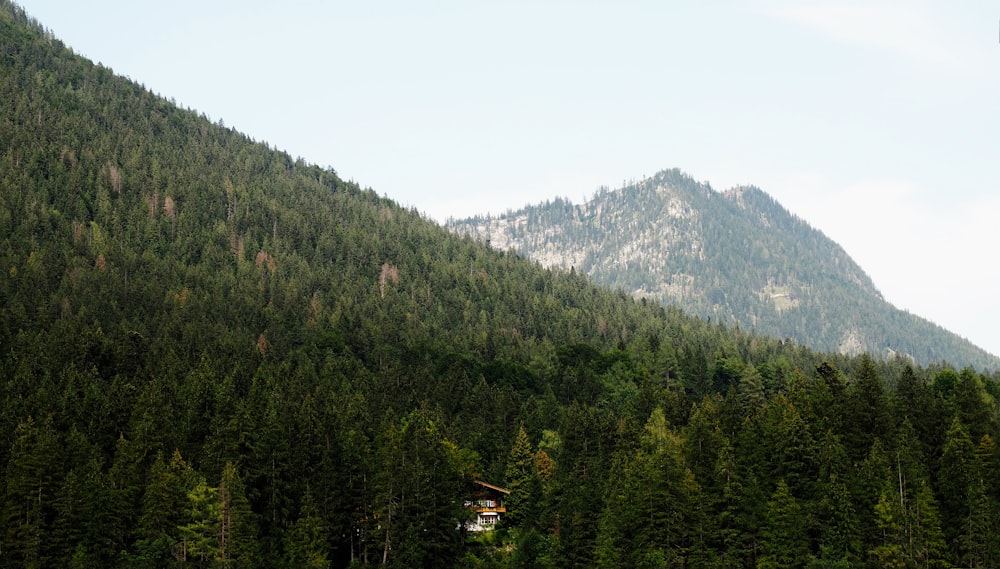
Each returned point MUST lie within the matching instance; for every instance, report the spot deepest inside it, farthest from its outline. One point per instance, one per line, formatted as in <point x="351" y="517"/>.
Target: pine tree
<point x="839" y="540"/>
<point x="237" y="527"/>
<point x="868" y="413"/>
<point x="31" y="484"/>
<point x="928" y="549"/>
<point x="654" y="509"/>
<point x="977" y="540"/>
<point x="888" y="550"/>
<point x="306" y="545"/>
<point x="957" y="472"/>
<point x="522" y="480"/>
<point x="608" y="553"/>
<point x="784" y="541"/>
<point x="419" y="500"/>
<point x="163" y="504"/>
<point x="199" y="531"/>
<point x="792" y="446"/>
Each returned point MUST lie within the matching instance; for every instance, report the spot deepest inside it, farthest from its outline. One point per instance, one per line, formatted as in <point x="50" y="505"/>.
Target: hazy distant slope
<point x="736" y="255"/>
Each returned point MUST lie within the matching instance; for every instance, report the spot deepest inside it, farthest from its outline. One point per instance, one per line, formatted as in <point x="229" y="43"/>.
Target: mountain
<point x="216" y="355"/>
<point x="735" y="256"/>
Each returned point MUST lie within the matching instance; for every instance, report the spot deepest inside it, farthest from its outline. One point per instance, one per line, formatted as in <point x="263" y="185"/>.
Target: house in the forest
<point x="488" y="504"/>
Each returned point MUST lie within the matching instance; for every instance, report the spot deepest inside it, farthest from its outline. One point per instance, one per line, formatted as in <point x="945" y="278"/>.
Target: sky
<point x="877" y="122"/>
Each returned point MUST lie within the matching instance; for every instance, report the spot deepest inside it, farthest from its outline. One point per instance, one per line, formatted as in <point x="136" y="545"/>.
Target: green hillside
<point x="216" y="355"/>
<point x="737" y="256"/>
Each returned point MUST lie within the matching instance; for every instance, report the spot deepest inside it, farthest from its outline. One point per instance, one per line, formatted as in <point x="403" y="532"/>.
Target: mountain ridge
<point x="736" y="255"/>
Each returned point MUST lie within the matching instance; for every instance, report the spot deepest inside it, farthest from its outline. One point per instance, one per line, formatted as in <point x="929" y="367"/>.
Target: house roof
<point x="492" y="487"/>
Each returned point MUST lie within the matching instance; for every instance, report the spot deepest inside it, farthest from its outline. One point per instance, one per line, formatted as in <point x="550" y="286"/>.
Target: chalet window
<point x="487" y="501"/>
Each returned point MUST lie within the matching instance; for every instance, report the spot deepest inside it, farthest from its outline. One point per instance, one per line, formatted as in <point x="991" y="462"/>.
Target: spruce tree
<point x="784" y="542"/>
<point x="888" y="545"/>
<point x="928" y="549"/>
<point x="31" y="482"/>
<point x="163" y="507"/>
<point x="306" y="544"/>
<point x="956" y="475"/>
<point x="522" y="480"/>
<point x="238" y="539"/>
<point x="200" y="528"/>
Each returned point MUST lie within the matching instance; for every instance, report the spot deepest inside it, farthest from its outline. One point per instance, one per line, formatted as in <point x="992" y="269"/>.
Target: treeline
<point x="825" y="470"/>
<point x="216" y="355"/>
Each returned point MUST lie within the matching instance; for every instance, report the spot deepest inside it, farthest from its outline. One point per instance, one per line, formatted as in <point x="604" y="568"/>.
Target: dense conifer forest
<point x="216" y="355"/>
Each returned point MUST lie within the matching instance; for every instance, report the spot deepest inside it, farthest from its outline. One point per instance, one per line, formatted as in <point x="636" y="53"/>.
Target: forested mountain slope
<point x="214" y="355"/>
<point x="737" y="256"/>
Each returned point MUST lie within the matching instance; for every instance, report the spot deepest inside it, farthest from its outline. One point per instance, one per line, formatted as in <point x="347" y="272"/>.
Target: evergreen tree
<point x="200" y="528"/>
<point x="784" y="542"/>
<point x="832" y="404"/>
<point x="237" y="528"/>
<point x="79" y="518"/>
<point x="977" y="540"/>
<point x="420" y="502"/>
<point x="956" y="475"/>
<point x="790" y="446"/>
<point x="868" y="412"/>
<point x="608" y="552"/>
<point x="974" y="405"/>
<point x="124" y="498"/>
<point x="306" y="544"/>
<point x="839" y="542"/>
<point x="31" y="480"/>
<point x="163" y="508"/>
<point x="888" y="550"/>
<point x="656" y="513"/>
<point x="915" y="402"/>
<point x="928" y="547"/>
<point x="522" y="480"/>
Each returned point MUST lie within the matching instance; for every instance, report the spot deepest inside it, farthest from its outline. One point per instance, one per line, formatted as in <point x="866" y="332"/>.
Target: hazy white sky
<point x="877" y="122"/>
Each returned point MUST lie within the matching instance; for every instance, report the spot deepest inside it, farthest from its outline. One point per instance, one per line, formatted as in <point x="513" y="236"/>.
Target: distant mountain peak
<point x="738" y="256"/>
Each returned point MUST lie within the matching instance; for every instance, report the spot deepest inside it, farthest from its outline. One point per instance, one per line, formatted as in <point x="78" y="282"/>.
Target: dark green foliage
<point x="30" y="496"/>
<point x="652" y="516"/>
<point x="522" y="481"/>
<point x="216" y="355"/>
<point x="867" y="413"/>
<point x="784" y="542"/>
<point x="958" y="475"/>
<point x="305" y="543"/>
